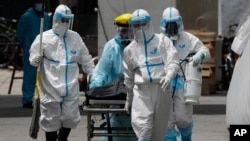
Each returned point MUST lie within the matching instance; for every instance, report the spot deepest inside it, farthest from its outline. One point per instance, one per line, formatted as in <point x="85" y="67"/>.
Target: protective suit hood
<point x="171" y="23"/>
<point x="141" y="26"/>
<point x="62" y="20"/>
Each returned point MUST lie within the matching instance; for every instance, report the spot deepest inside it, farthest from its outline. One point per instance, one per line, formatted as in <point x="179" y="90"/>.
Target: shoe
<point x="28" y="105"/>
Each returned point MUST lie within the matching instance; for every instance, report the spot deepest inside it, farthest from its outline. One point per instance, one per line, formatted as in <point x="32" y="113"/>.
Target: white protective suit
<point x="62" y="50"/>
<point x="238" y="95"/>
<point x="185" y="44"/>
<point x="147" y="59"/>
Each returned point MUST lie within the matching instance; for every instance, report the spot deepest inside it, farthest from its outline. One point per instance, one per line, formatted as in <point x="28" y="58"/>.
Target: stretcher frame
<point x="95" y="107"/>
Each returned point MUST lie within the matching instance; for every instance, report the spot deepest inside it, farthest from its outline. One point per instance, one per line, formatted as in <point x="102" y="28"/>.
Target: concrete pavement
<point x="209" y="116"/>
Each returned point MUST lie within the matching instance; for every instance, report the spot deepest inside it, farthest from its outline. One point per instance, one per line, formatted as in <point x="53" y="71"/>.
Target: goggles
<point x="64" y="20"/>
<point x="139" y="24"/>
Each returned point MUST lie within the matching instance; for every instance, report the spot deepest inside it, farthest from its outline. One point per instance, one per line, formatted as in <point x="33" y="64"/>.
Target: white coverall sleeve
<point x="241" y="40"/>
<point x="85" y="58"/>
<point x="170" y="59"/>
<point x="128" y="70"/>
<point x="35" y="51"/>
<point x="128" y="80"/>
<point x="169" y="55"/>
<point x="202" y="52"/>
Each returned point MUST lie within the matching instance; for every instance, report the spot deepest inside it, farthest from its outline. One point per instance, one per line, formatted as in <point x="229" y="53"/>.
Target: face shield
<point x="141" y="26"/>
<point x="170" y="28"/>
<point x="67" y="21"/>
<point x="62" y="20"/>
<point x="125" y="35"/>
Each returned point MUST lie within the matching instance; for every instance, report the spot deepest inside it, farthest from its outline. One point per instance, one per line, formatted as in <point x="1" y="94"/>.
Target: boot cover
<point x="187" y="138"/>
<point x="171" y="135"/>
<point x="186" y="133"/>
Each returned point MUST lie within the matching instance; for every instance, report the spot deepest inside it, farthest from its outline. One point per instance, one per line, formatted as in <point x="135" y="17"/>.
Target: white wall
<point x="234" y="11"/>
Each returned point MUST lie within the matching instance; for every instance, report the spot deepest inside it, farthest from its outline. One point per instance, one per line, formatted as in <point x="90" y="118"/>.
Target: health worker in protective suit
<point x="238" y="94"/>
<point x="110" y="67"/>
<point x="150" y="62"/>
<point x="62" y="51"/>
<point x="28" y="28"/>
<point x="189" y="49"/>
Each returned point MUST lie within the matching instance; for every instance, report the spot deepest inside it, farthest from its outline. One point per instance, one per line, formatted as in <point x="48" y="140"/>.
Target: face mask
<point x="61" y="28"/>
<point x="39" y="7"/>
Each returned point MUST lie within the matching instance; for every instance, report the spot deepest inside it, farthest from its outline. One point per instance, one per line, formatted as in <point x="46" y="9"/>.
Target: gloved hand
<point x="198" y="58"/>
<point x="128" y="103"/>
<point x="166" y="81"/>
<point x="38" y="59"/>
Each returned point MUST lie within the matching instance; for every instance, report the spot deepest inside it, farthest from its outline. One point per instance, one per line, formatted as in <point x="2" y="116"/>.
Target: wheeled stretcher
<point x="98" y="104"/>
